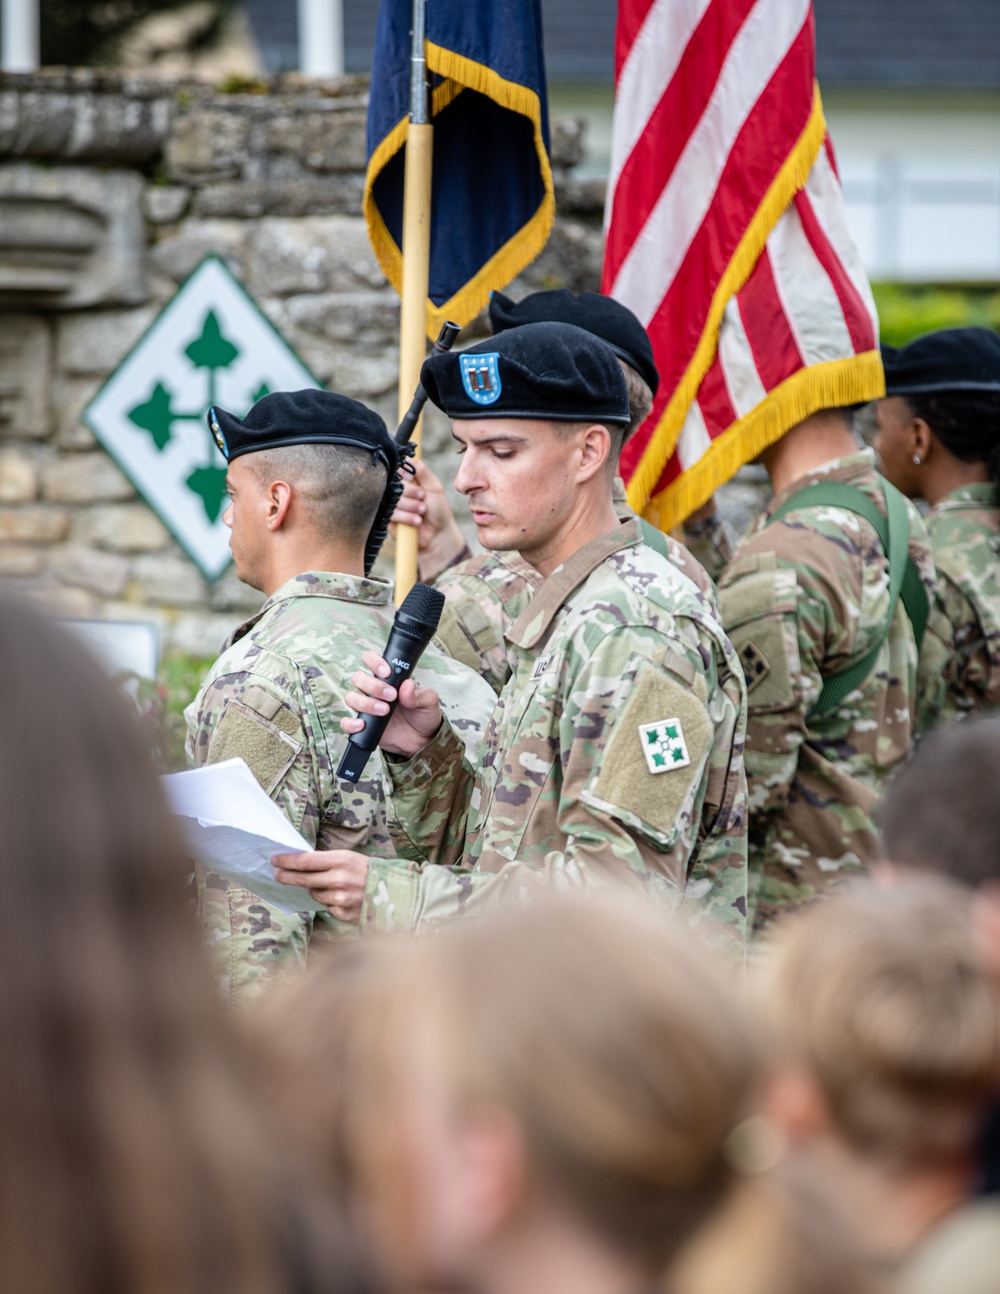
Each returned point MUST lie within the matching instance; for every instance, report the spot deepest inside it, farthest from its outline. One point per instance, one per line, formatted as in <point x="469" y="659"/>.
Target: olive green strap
<point x="893" y="529"/>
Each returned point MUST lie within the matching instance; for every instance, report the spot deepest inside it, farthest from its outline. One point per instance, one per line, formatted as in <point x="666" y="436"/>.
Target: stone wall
<point x="111" y="192"/>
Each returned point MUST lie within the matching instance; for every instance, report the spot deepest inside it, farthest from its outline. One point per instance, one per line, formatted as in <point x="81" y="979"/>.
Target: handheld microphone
<point x="415" y="624"/>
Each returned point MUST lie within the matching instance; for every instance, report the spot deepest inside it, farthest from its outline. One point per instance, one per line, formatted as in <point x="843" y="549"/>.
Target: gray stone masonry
<point x="112" y="190"/>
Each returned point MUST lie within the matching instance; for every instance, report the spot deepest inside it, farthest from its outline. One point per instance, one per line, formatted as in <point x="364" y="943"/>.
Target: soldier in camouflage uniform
<point x="805" y="598"/>
<point x="616" y="746"/>
<point x="939" y="440"/>
<point x="486" y="594"/>
<point x="276" y="694"/>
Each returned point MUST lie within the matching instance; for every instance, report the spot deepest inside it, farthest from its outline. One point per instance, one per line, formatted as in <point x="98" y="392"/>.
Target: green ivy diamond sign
<point x="210" y="345"/>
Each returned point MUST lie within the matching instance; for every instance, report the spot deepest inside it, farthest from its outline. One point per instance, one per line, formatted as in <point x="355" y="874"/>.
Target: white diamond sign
<point x="210" y="345"/>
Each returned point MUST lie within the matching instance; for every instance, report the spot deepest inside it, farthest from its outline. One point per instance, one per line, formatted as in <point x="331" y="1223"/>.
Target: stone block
<point x="206" y="144"/>
<point x="200" y="635"/>
<point x="25" y="376"/>
<point x="178" y="254"/>
<point x="16" y="561"/>
<point x="105" y="574"/>
<point x="229" y="593"/>
<point x="359" y="318"/>
<point x="330" y="140"/>
<point x="34" y="524"/>
<point x="121" y="528"/>
<point x="309" y="196"/>
<point x="167" y="579"/>
<point x="44" y="119"/>
<point x="71" y="237"/>
<point x="70" y="396"/>
<point x="85" y="478"/>
<point x="571" y="259"/>
<point x="365" y="376"/>
<point x="98" y="341"/>
<point x="312" y="255"/>
<point x="18" y="477"/>
<point x="163" y="204"/>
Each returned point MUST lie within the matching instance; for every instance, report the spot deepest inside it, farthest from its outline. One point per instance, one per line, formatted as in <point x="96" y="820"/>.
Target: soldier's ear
<point x="595" y="448"/>
<point x="923" y="439"/>
<point x="278" y="501"/>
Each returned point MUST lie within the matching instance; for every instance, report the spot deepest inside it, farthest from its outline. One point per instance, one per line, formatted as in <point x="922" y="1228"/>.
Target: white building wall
<point x="921" y="176"/>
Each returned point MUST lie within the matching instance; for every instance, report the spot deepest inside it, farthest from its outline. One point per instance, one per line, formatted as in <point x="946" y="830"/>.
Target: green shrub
<point x="907" y="312"/>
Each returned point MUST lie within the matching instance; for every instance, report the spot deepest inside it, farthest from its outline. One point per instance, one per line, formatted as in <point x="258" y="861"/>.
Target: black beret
<point x="592" y="311"/>
<point x="303" y="418"/>
<point x="541" y="370"/>
<point x="953" y="359"/>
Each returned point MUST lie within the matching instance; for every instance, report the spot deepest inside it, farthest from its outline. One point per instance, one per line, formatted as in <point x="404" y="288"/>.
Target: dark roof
<point x="877" y="43"/>
<point x="919" y="43"/>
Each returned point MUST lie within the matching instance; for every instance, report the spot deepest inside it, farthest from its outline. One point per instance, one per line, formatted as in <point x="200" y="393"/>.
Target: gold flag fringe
<point x="853" y="380"/>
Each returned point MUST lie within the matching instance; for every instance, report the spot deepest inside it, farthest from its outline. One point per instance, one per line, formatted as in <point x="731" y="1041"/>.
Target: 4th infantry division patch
<point x="663" y="745"/>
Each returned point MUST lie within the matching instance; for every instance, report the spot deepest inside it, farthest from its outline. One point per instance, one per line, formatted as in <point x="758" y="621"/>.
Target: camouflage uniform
<point x="484" y="595"/>
<point x="275" y="698"/>
<point x="613" y="640"/>
<point x="962" y="644"/>
<point x="804" y="598"/>
<point x="709" y="544"/>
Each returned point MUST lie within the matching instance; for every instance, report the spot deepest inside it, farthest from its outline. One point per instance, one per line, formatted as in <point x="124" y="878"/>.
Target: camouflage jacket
<point x="804" y="598"/>
<point x="709" y="544"/>
<point x="275" y="698"/>
<point x="962" y="645"/>
<point x="484" y="595"/>
<point x="616" y="748"/>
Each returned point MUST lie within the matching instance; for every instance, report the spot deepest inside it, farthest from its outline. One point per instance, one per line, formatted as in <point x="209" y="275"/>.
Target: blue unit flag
<point x="492" y="202"/>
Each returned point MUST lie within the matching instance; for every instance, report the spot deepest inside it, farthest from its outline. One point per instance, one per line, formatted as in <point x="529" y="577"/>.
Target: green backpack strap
<point x="653" y="538"/>
<point x="893" y="530"/>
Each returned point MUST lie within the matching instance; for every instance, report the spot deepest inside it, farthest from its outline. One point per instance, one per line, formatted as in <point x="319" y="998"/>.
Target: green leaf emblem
<point x="210" y="484"/>
<point x="155" y="416"/>
<point x="211" y="349"/>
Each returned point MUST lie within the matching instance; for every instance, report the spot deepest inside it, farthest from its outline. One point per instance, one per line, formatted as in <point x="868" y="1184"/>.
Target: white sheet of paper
<point x="233" y="827"/>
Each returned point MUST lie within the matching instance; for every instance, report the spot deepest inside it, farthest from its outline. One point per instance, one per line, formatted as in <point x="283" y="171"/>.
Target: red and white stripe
<point x="711" y="98"/>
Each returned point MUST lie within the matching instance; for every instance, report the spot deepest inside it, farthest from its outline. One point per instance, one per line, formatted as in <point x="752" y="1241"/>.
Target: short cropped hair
<point x="640" y="399"/>
<point x="880" y="995"/>
<point x="340" y="486"/>
<point x="941" y="811"/>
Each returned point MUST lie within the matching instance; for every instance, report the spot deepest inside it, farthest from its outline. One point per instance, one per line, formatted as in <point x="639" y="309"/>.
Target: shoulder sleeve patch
<point x="763" y="649"/>
<point x="653" y="763"/>
<point x="243" y="733"/>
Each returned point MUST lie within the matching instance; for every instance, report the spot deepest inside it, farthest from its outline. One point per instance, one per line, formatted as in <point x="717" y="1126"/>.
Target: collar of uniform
<point x="981" y="494"/>
<point x="848" y="468"/>
<point x="320" y="584"/>
<point x="534" y="622"/>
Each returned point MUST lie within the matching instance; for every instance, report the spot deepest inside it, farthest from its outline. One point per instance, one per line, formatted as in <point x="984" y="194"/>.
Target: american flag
<point x="727" y="236"/>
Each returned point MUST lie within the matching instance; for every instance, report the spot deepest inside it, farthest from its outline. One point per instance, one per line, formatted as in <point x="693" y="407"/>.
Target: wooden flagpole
<point x="416" y="267"/>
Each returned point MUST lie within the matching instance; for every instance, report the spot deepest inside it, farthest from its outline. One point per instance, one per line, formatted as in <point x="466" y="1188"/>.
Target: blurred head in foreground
<point x="886" y="1025"/>
<point x="131" y="1156"/>
<point x="554" y="1093"/>
<point x="941" y="812"/>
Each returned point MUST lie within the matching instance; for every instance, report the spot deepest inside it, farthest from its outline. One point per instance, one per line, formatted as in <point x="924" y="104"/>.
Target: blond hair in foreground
<point x="624" y="1057"/>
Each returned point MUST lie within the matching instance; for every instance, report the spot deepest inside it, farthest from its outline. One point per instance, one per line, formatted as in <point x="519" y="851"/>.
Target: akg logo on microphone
<point x="400" y="664"/>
